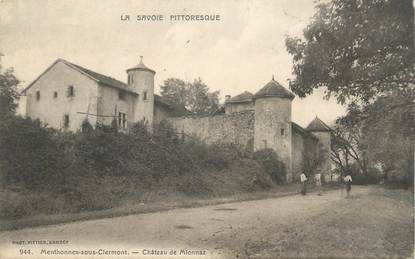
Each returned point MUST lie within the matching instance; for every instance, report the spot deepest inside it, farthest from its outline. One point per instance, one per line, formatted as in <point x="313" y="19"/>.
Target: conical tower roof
<point x="317" y="125"/>
<point x="141" y="66"/>
<point x="273" y="88"/>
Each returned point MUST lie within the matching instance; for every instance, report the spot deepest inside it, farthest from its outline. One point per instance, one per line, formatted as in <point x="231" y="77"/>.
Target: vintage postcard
<point x="207" y="129"/>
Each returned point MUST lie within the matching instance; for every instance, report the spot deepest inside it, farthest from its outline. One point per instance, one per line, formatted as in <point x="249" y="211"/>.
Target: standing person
<point x="348" y="180"/>
<point x="317" y="178"/>
<point x="303" y="179"/>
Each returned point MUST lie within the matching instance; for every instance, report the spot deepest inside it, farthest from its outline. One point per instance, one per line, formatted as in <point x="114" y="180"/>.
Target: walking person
<point x="303" y="179"/>
<point x="317" y="179"/>
<point x="348" y="180"/>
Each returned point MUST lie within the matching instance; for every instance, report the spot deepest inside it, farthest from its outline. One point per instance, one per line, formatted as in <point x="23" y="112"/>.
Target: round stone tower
<point x="273" y="121"/>
<point x="323" y="132"/>
<point x="141" y="80"/>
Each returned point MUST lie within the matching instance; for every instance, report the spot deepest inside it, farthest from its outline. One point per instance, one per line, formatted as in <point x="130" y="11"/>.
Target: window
<point x="55" y="94"/>
<point x="282" y="132"/>
<point x="265" y="143"/>
<point x="122" y="120"/>
<point x="121" y="95"/>
<point x="130" y="79"/>
<point x="145" y="95"/>
<point x="66" y="121"/>
<point x="37" y="95"/>
<point x="70" y="92"/>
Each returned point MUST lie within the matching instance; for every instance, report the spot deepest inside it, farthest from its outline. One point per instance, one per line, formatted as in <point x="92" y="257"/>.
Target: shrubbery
<point x="31" y="155"/>
<point x="373" y="175"/>
<point x="272" y="164"/>
<point x="99" y="168"/>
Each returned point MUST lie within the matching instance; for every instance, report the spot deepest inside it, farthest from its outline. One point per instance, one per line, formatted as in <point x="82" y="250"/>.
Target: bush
<point x="15" y="205"/>
<point x="99" y="168"/>
<point x="271" y="164"/>
<point x="373" y="175"/>
<point x="30" y="155"/>
<point x="222" y="155"/>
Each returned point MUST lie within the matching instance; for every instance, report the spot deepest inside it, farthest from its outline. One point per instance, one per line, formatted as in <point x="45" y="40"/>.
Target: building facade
<point x="263" y="120"/>
<point x="66" y="94"/>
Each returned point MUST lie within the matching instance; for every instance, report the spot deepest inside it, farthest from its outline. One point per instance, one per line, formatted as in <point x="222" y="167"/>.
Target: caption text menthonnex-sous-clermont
<point x="172" y="17"/>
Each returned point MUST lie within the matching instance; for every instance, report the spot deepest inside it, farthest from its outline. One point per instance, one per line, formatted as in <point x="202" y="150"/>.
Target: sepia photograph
<point x="221" y="129"/>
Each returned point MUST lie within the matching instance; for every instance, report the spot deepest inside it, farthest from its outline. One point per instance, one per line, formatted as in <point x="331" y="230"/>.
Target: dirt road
<point x="290" y="226"/>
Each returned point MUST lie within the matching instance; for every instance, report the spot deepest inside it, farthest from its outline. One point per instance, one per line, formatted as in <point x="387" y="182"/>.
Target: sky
<point x="240" y="52"/>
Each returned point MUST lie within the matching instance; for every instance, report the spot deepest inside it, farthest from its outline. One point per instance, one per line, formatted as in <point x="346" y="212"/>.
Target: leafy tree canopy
<point x="388" y="134"/>
<point x="357" y="49"/>
<point x="8" y="91"/>
<point x="195" y="96"/>
<point x="381" y="133"/>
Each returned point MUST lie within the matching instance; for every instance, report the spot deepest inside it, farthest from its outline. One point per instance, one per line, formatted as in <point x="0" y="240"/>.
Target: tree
<point x="175" y="90"/>
<point x="356" y="49"/>
<point x="8" y="92"/>
<point x="195" y="96"/>
<point x="388" y="131"/>
<point x="379" y="134"/>
<point x="362" y="52"/>
<point x="346" y="146"/>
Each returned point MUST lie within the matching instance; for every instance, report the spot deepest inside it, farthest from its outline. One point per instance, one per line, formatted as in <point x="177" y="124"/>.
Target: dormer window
<point x="37" y="95"/>
<point x="70" y="91"/>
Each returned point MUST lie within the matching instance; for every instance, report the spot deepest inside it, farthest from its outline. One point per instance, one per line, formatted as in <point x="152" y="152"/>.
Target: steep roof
<point x="273" y="88"/>
<point x="141" y="66"/>
<point x="105" y="80"/>
<point x="241" y="98"/>
<point x="317" y="125"/>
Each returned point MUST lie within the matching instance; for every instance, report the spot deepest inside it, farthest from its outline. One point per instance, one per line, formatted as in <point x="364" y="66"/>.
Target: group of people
<point x="317" y="179"/>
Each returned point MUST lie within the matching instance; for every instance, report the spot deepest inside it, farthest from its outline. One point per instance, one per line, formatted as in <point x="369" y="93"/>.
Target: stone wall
<point x="298" y="146"/>
<point x="324" y="147"/>
<point x="303" y="148"/>
<point x="160" y="113"/>
<point x="237" y="128"/>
